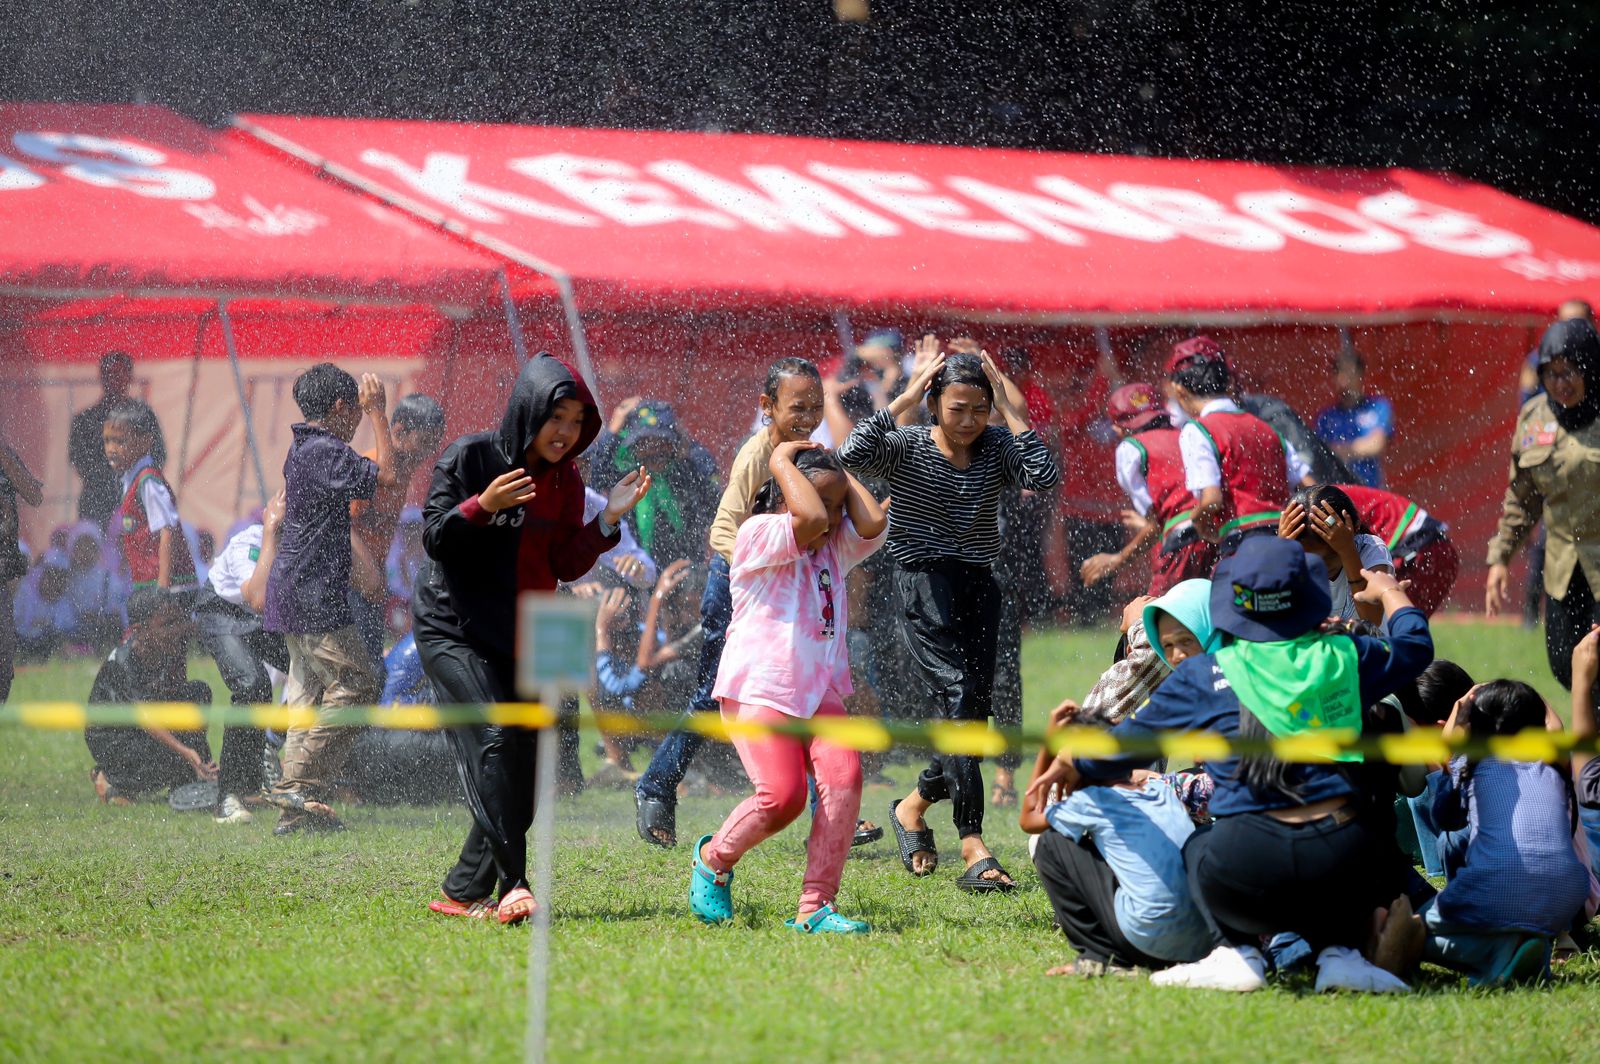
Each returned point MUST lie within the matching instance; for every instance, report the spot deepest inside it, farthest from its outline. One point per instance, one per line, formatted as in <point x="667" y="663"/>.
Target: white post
<point x="544" y="827"/>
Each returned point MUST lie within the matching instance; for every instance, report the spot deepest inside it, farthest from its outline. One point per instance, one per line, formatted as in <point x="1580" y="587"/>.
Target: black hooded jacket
<point x="479" y="561"/>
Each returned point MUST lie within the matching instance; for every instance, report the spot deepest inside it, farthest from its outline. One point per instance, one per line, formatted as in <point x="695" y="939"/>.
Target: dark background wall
<point x="1502" y="92"/>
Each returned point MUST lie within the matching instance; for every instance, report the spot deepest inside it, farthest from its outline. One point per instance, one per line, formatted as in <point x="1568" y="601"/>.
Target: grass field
<point x="140" y="934"/>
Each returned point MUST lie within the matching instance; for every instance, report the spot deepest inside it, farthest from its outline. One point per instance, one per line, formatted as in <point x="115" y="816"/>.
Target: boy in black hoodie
<point x="505" y="515"/>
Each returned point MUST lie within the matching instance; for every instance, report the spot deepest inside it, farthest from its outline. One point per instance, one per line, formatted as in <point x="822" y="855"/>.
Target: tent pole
<point x="847" y="333"/>
<point x="580" y="340"/>
<point x="188" y="408"/>
<point x="513" y="321"/>
<point x="244" y="401"/>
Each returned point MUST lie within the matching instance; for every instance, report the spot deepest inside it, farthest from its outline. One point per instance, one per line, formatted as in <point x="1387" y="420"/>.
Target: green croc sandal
<point x="710" y="894"/>
<point x="827" y="922"/>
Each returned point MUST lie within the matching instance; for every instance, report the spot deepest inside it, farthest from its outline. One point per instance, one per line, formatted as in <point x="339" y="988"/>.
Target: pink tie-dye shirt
<point x="786" y="642"/>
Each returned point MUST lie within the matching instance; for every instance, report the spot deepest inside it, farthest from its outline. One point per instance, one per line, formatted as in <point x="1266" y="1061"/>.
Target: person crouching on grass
<point x="150" y="665"/>
<point x="786" y="656"/>
<point x="505" y="515"/>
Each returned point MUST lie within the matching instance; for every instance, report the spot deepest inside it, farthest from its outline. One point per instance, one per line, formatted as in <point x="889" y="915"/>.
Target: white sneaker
<point x="1342" y="968"/>
<point x="1240" y="970"/>
<point x="233" y="811"/>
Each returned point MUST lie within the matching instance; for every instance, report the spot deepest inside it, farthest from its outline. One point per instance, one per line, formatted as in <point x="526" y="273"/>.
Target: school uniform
<point x="1149" y="466"/>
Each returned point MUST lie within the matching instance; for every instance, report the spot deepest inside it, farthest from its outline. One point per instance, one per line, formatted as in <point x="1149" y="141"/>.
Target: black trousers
<point x="234" y="638"/>
<point x="496" y="765"/>
<point x="1566" y="621"/>
<point x="1082" y="890"/>
<point x="1252" y="875"/>
<point x="136" y="762"/>
<point x="951" y="625"/>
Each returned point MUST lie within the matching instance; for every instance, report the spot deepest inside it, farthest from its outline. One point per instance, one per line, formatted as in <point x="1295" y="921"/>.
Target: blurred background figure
<point x="85" y="443"/>
<point x="1358" y="426"/>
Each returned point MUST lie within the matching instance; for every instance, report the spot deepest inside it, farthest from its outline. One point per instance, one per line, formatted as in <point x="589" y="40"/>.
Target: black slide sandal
<point x="865" y="836"/>
<point x="912" y="841"/>
<point x="972" y="880"/>
<point x="655" y="815"/>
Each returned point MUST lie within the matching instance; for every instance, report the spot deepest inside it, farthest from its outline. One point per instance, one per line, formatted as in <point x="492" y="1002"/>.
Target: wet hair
<point x="792" y="366"/>
<point x="1205" y="377"/>
<point x="812" y="464"/>
<point x="1332" y="496"/>
<point x="147" y="603"/>
<point x="1429" y="698"/>
<point x="1504" y="707"/>
<point x="958" y="369"/>
<point x="137" y="417"/>
<point x="419" y="412"/>
<point x="320" y="387"/>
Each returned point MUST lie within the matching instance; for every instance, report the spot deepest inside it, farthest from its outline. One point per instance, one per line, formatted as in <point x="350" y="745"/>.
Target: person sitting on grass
<point x="1515" y="878"/>
<point x="1324" y="521"/>
<point x="1111" y="861"/>
<point x="1292" y="848"/>
<point x="150" y="665"/>
<point x="787" y="657"/>
<point x="1586" y="767"/>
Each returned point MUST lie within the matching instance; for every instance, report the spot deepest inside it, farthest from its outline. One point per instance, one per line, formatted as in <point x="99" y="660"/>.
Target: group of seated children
<point x="1268" y="863"/>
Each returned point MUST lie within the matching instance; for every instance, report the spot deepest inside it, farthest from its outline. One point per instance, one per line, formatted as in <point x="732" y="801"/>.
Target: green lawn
<point x="145" y="935"/>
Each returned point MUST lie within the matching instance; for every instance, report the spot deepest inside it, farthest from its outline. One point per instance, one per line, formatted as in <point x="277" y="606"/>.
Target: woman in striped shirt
<point x="945" y="480"/>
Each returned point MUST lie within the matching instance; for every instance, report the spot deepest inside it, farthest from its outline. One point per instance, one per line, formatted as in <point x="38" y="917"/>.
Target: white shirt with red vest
<point x="1200" y="458"/>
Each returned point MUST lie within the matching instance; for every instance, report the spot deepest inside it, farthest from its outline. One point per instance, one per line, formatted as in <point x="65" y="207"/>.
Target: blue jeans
<point x="1475" y="952"/>
<point x="1421" y="808"/>
<point x="671" y="761"/>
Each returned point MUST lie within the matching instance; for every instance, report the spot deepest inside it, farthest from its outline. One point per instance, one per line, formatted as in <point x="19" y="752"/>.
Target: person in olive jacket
<point x="1555" y="474"/>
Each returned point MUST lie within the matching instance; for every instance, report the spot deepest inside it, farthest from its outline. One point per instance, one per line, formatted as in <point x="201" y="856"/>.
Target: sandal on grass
<point x="445" y="905"/>
<point x="710" y="893"/>
<point x="911" y="842"/>
<point x="653" y="816"/>
<point x="507" y="911"/>
<point x="866" y="832"/>
<point x="825" y="921"/>
<point x="1003" y="797"/>
<point x="973" y="882"/>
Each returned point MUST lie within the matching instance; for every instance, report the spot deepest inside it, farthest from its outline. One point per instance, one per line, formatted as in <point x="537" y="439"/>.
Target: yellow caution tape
<point x="968" y="738"/>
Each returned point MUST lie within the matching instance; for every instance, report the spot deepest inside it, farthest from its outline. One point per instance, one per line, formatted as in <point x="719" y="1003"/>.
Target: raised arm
<point x="375" y="404"/>
<point x="807" y="513"/>
<point x="866" y="513"/>
<point x="29" y="489"/>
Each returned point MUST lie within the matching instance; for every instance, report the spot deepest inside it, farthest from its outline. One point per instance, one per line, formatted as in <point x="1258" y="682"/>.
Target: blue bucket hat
<point x="1269" y="590"/>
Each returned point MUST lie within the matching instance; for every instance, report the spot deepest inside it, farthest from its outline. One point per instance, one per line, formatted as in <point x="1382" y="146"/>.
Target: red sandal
<point x="445" y="905"/>
<point x="516" y="897"/>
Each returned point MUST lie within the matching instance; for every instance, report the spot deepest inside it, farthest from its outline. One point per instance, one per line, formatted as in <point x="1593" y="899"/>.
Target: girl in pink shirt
<point x="785" y="657"/>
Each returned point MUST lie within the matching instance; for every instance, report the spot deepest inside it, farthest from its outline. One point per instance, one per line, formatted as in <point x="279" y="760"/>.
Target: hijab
<point x="1576" y="342"/>
<point x="1188" y="603"/>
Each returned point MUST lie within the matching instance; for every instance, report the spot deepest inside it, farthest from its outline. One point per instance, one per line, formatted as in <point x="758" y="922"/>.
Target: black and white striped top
<point x="940" y="511"/>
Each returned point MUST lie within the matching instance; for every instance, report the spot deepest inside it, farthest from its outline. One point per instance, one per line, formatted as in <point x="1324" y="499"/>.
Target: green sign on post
<point x="555" y="644"/>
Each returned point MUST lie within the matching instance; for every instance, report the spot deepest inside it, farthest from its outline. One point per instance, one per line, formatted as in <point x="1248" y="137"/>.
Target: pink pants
<point x="778" y="766"/>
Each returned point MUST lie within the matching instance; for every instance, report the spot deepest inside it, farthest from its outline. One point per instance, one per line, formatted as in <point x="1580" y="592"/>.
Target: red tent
<point x="224" y="272"/>
<point x="729" y="250"/>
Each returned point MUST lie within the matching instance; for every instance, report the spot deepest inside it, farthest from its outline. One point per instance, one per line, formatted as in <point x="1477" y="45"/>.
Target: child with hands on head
<point x="786" y="656"/>
<point x="946" y="480"/>
<point x="1325" y="521"/>
<point x="791" y="405"/>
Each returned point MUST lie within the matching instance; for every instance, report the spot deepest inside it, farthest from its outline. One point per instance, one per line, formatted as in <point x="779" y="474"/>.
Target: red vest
<point x="1170" y="501"/>
<point x="141" y="547"/>
<point x="1255" y="475"/>
<point x="1385" y="514"/>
